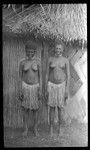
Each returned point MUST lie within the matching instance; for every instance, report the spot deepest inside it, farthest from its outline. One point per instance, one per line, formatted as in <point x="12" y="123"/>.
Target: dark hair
<point x="28" y="47"/>
<point x="60" y="43"/>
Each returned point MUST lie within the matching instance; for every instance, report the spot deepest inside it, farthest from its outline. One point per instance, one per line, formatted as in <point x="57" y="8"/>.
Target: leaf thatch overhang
<point x="66" y="22"/>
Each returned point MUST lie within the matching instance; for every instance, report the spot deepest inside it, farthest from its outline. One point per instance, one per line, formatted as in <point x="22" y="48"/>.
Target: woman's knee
<point x="52" y="114"/>
<point x="25" y="113"/>
<point x="35" y="114"/>
<point x="59" y="113"/>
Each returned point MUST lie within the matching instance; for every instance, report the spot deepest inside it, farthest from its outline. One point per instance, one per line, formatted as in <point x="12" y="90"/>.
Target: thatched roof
<point x="61" y="21"/>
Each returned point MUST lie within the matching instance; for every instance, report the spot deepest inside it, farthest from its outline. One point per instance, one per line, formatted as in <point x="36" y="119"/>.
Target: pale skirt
<point x="56" y="97"/>
<point x="56" y="94"/>
<point x="30" y="96"/>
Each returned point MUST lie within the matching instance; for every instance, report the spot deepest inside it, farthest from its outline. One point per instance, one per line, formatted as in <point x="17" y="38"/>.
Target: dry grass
<point x="62" y="21"/>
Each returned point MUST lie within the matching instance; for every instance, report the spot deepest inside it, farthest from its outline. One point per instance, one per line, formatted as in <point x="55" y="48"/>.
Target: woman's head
<point x="30" y="51"/>
<point x="59" y="49"/>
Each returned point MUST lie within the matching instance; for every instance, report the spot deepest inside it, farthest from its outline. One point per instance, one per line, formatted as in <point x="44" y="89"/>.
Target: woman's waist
<point x="31" y="80"/>
<point x="56" y="79"/>
<point x="29" y="84"/>
<point x="30" y="75"/>
<point x="57" y="74"/>
<point x="56" y="85"/>
<point x="57" y="70"/>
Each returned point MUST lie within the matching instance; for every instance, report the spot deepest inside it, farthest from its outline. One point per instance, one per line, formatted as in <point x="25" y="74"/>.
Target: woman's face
<point x="59" y="49"/>
<point x="30" y="53"/>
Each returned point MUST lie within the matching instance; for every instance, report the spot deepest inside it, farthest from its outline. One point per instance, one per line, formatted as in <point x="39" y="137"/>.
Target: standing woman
<point x="29" y="71"/>
<point x="58" y="84"/>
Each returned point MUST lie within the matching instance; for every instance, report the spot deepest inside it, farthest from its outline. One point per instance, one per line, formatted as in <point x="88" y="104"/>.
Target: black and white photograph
<point x="45" y="85"/>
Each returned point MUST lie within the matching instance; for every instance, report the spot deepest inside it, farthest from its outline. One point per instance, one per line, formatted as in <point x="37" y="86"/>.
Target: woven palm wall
<point x="13" y="51"/>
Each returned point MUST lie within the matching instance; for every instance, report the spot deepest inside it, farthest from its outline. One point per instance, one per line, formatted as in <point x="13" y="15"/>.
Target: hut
<point x="42" y="25"/>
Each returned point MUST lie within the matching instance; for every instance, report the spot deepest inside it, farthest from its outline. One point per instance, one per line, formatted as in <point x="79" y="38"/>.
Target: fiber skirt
<point x="30" y="96"/>
<point x="56" y="94"/>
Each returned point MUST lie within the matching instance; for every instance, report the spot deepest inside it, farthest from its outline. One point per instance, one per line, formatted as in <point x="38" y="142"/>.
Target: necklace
<point x="58" y="55"/>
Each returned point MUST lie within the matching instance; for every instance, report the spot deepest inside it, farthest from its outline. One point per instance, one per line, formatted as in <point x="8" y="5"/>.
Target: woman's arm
<point x="47" y="78"/>
<point x="20" y="70"/>
<point x="20" y="75"/>
<point x="40" y="78"/>
<point x="67" y="76"/>
<point x="47" y="72"/>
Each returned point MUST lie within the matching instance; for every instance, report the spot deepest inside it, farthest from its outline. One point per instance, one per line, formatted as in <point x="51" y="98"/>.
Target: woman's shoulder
<point x="34" y="66"/>
<point x="23" y="62"/>
<point x="36" y="63"/>
<point x="66" y="60"/>
<point x="52" y="62"/>
<point x="63" y="59"/>
<point x="51" y="59"/>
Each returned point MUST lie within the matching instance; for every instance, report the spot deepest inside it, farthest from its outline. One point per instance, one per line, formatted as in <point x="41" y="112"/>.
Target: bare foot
<point x="51" y="135"/>
<point x="12" y="136"/>
<point x="61" y="132"/>
<point x="25" y="133"/>
<point x="51" y="132"/>
<point x="36" y="133"/>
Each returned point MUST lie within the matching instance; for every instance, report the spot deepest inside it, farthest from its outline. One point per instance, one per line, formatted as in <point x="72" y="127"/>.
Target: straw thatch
<point x="62" y="21"/>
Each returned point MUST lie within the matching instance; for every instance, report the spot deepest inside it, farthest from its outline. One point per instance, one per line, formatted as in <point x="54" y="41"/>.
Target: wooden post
<point x="44" y="61"/>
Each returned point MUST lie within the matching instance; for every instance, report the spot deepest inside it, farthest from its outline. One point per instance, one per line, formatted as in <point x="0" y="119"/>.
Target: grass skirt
<point x="56" y="97"/>
<point x="56" y="94"/>
<point x="30" y="96"/>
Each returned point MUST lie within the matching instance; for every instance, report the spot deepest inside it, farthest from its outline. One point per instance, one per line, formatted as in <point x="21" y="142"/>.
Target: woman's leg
<point x="25" y="120"/>
<point x="59" y="119"/>
<point x="51" y="118"/>
<point x="35" y="117"/>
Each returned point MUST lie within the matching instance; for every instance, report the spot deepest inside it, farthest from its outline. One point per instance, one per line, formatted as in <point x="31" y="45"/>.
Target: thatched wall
<point x="13" y="52"/>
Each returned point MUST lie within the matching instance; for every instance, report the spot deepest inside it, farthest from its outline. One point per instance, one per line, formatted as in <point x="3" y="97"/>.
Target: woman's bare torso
<point x="57" y="71"/>
<point x="30" y="72"/>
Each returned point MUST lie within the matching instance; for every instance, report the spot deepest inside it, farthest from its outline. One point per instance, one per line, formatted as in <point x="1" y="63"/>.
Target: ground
<point x="74" y="135"/>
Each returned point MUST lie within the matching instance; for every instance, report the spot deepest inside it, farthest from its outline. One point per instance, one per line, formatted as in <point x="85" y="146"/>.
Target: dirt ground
<point x="74" y="135"/>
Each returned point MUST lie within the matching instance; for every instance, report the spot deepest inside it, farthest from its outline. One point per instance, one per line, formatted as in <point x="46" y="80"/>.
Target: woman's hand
<point x="46" y="94"/>
<point x="21" y="96"/>
<point x="66" y="94"/>
<point x="39" y="94"/>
